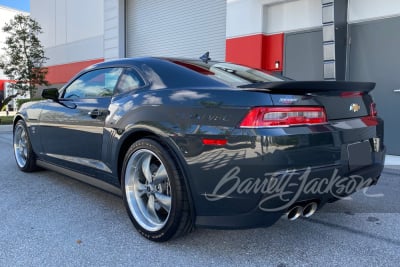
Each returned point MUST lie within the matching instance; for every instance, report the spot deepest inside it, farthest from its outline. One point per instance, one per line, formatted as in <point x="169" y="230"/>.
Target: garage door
<point x="176" y="28"/>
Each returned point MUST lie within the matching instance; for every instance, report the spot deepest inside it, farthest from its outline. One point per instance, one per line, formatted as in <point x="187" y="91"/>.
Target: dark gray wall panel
<point x="304" y="55"/>
<point x="374" y="56"/>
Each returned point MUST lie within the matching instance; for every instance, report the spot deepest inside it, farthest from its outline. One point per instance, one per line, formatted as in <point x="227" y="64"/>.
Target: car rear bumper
<point x="260" y="175"/>
<point x="270" y="207"/>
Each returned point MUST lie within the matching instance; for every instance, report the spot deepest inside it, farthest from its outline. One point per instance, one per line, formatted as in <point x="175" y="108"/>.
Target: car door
<point x="71" y="130"/>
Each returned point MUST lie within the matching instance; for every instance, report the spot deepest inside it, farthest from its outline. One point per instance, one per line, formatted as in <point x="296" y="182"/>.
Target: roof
<point x="14" y="10"/>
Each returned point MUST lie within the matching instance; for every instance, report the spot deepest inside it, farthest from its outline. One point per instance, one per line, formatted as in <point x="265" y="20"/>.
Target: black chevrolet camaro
<point x="203" y="143"/>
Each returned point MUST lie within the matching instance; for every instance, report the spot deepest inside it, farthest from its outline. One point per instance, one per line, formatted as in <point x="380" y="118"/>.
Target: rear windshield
<point x="231" y="74"/>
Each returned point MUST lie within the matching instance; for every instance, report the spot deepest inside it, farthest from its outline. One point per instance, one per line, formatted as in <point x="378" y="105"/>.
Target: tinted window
<point x="93" y="84"/>
<point x="238" y="75"/>
<point x="129" y="81"/>
<point x="232" y="74"/>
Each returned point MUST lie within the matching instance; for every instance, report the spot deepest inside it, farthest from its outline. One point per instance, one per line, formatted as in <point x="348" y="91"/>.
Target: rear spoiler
<point x="313" y="86"/>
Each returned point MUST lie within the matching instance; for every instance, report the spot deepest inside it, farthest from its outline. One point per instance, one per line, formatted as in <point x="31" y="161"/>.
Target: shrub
<point x="6" y="120"/>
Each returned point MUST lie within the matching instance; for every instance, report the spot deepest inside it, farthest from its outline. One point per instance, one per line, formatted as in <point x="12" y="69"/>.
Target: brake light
<point x="351" y="94"/>
<point x="283" y="116"/>
<point x="372" y="110"/>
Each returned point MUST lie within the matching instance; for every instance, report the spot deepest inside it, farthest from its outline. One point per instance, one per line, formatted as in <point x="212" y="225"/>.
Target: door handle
<point x="396" y="90"/>
<point x="95" y="113"/>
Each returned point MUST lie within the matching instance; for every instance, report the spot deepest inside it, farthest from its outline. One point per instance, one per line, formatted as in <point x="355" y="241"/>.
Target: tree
<point x="24" y="56"/>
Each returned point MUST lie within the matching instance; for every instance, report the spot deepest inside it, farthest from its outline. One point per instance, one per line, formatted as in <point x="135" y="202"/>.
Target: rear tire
<point x="23" y="152"/>
<point x="154" y="192"/>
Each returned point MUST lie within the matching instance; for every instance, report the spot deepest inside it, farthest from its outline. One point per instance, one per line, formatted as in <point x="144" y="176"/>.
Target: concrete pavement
<point x="48" y="219"/>
<point x="5" y="128"/>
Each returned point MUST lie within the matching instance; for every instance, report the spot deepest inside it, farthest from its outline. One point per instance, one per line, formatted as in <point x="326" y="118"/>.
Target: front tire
<point x="23" y="152"/>
<point x="154" y="192"/>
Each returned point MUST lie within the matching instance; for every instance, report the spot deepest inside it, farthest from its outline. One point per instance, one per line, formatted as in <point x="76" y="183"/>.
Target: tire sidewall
<point x="30" y="161"/>
<point x="174" y="175"/>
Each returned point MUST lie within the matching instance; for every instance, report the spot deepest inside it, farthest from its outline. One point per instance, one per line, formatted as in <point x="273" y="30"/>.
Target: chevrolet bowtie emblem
<point x="355" y="107"/>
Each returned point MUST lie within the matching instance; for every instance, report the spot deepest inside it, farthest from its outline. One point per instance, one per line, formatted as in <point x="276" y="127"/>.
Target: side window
<point x="93" y="84"/>
<point x="130" y="80"/>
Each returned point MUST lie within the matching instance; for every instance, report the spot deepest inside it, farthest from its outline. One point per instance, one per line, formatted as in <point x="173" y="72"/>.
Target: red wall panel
<point x="245" y="50"/>
<point x="273" y="52"/>
<point x="62" y="73"/>
<point x="2" y="84"/>
<point x="258" y="51"/>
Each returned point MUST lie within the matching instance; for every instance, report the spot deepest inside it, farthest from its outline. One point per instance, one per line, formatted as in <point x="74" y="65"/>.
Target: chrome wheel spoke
<point x="147" y="190"/>
<point x="24" y="151"/>
<point x="164" y="201"/>
<point x="139" y="188"/>
<point x="146" y="168"/>
<point x="20" y="146"/>
<point x="161" y="175"/>
<point x="151" y="209"/>
<point x="23" y="136"/>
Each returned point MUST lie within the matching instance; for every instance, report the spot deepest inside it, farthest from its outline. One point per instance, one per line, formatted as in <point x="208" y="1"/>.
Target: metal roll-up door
<point x="176" y="28"/>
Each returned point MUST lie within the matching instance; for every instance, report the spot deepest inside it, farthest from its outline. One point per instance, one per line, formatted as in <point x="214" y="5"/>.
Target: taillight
<point x="283" y="116"/>
<point x="372" y="119"/>
<point x="372" y="110"/>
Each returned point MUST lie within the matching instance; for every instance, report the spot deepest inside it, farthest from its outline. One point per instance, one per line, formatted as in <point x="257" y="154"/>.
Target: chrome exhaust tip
<point x="294" y="213"/>
<point x="310" y="209"/>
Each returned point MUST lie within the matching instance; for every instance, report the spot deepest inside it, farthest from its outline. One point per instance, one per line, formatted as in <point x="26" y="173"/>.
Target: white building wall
<point x="73" y="30"/>
<point x="243" y="18"/>
<point x="6" y="14"/>
<point x="249" y="17"/>
<point x="364" y="10"/>
<point x="114" y="29"/>
<point x="92" y="29"/>
<point x="292" y="16"/>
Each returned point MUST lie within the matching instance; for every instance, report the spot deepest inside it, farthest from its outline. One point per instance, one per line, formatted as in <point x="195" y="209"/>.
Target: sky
<point x="23" y="5"/>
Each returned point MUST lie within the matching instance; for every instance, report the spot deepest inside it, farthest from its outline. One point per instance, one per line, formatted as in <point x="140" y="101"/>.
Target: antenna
<point x="206" y="57"/>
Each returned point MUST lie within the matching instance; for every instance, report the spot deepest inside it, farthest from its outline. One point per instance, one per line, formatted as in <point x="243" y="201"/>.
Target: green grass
<point x="6" y="120"/>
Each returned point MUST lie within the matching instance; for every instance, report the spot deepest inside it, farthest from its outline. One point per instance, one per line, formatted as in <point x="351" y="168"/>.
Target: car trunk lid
<point x="341" y="100"/>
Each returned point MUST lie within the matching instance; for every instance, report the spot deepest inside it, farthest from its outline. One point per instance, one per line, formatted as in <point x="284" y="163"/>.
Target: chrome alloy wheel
<point x="21" y="145"/>
<point x="148" y="190"/>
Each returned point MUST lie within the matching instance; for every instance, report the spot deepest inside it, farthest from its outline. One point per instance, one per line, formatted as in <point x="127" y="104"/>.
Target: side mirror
<point x="50" y="93"/>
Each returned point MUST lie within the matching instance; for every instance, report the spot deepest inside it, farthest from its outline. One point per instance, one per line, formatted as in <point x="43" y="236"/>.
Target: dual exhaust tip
<point x="306" y="211"/>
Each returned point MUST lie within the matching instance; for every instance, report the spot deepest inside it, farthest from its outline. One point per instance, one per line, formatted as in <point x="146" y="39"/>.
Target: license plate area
<point x="359" y="154"/>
